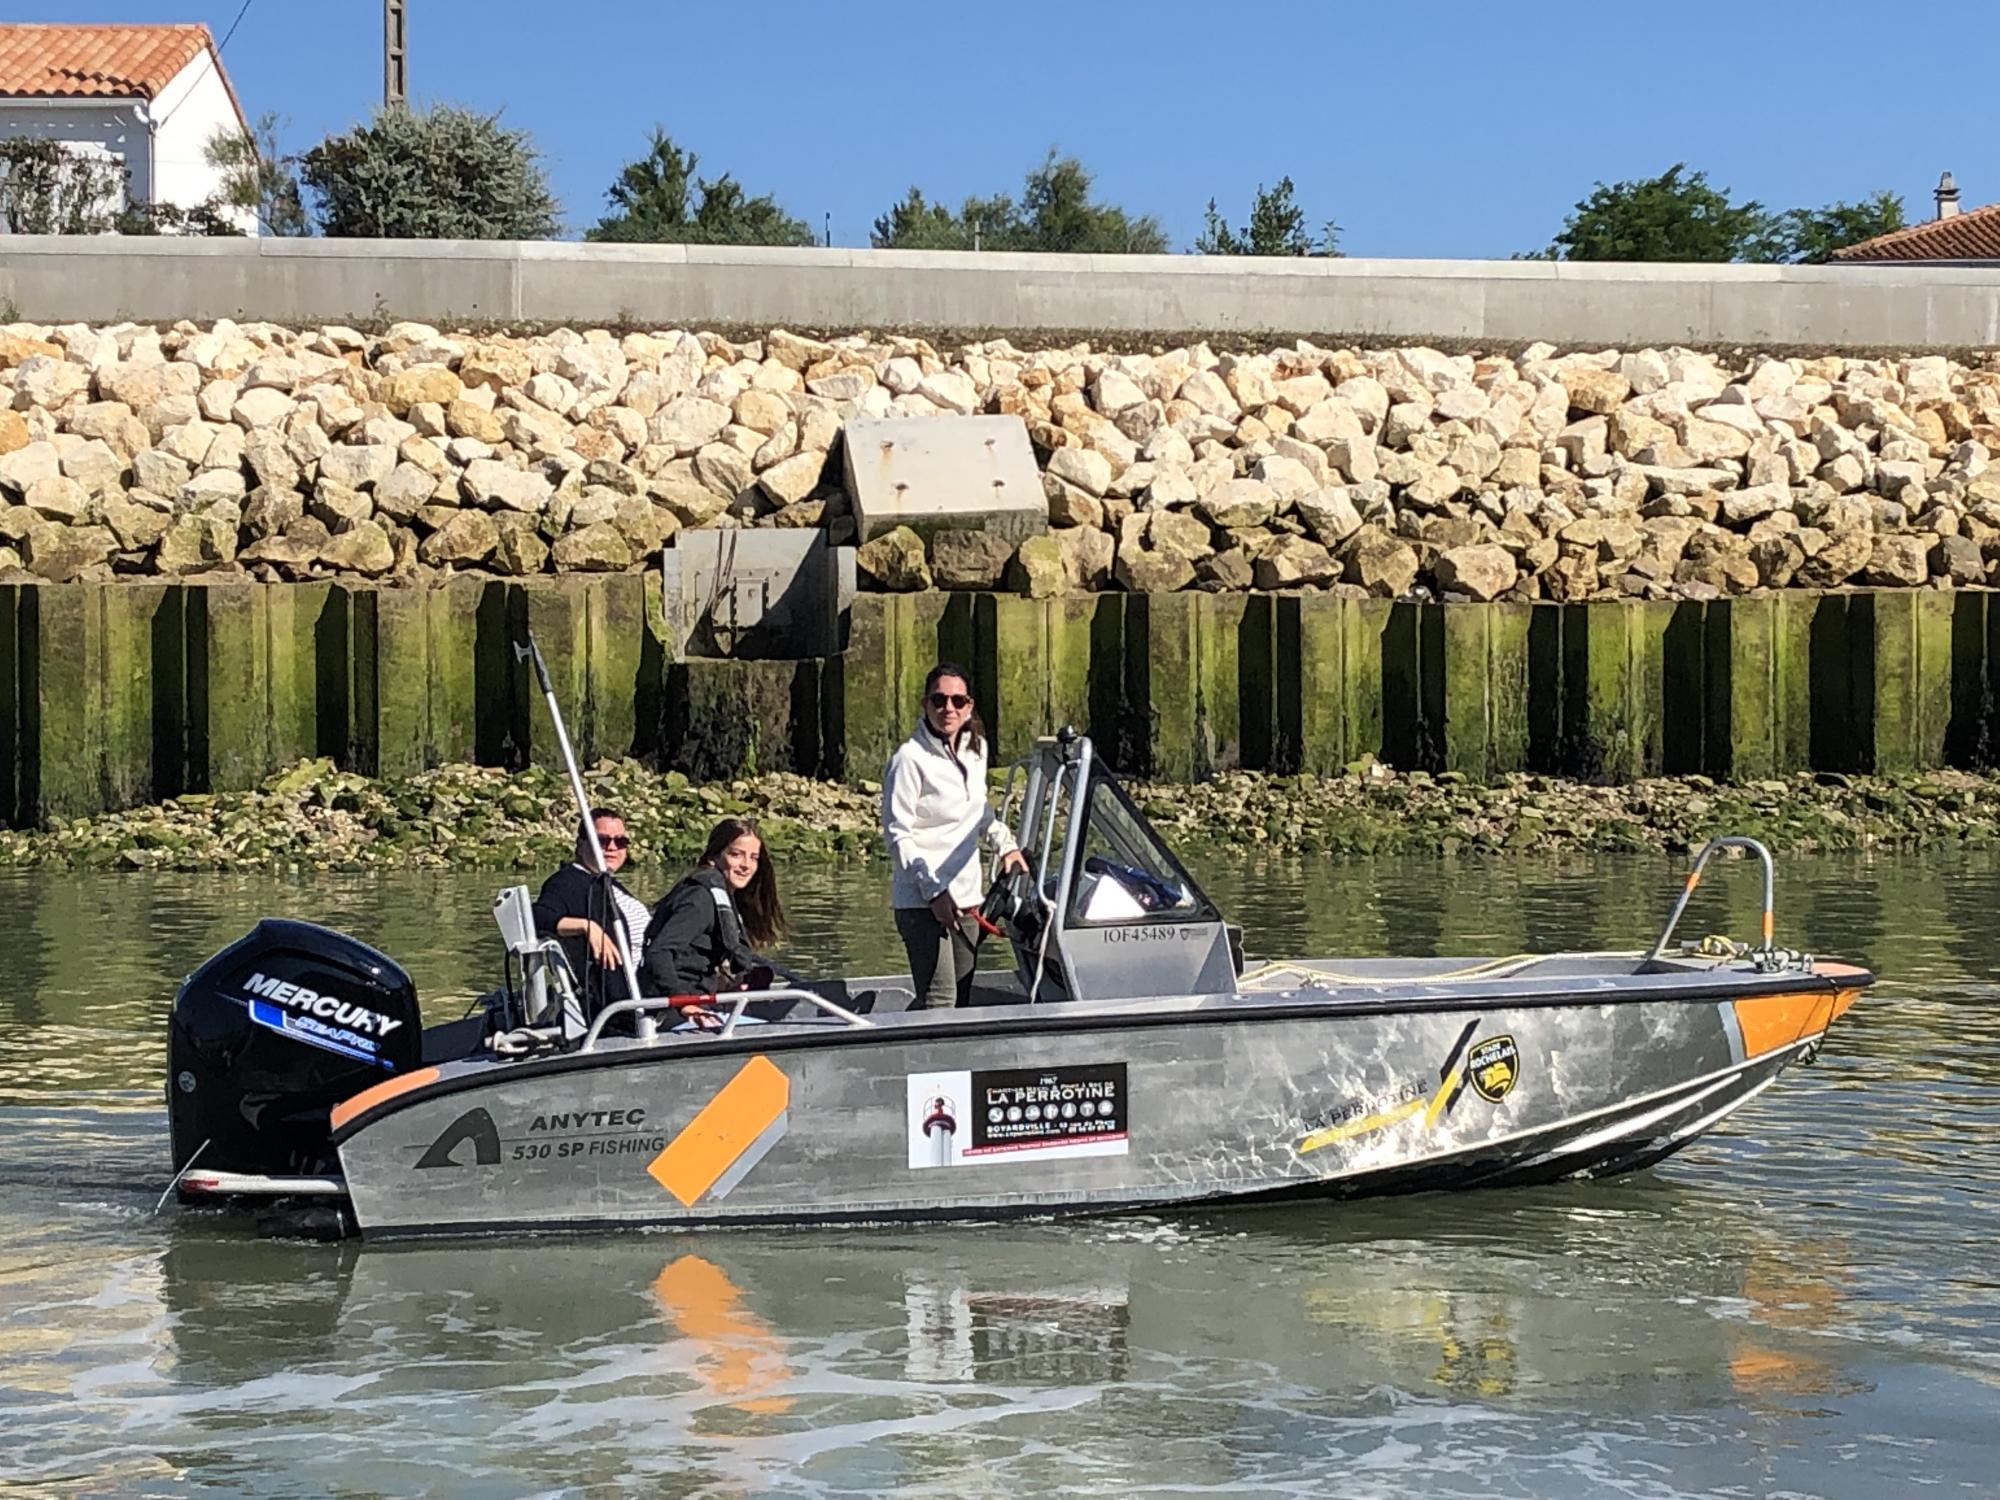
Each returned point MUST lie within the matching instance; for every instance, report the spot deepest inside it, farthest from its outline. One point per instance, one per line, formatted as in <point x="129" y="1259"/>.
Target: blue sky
<point x="1445" y="130"/>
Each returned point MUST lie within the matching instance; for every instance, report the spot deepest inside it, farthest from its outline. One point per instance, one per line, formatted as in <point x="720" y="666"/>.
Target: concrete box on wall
<point x="938" y="473"/>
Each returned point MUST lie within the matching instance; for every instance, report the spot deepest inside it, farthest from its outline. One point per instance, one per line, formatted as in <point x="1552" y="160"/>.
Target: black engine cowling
<point x="270" y="1034"/>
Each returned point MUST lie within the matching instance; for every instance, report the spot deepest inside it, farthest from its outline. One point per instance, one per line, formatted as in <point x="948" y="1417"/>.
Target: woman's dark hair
<point x="757" y="903"/>
<point x="973" y="736"/>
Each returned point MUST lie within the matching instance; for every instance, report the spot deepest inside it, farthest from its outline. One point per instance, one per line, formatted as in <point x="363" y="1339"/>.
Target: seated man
<point x="596" y="936"/>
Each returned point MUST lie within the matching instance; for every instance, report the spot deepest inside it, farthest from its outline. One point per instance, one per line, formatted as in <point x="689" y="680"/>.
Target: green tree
<point x="1277" y="227"/>
<point x="1055" y="213"/>
<point x="918" y="224"/>
<point x="658" y="199"/>
<point x="439" y="174"/>
<point x="259" y="178"/>
<point x="1811" y="235"/>
<point x="1672" y="217"/>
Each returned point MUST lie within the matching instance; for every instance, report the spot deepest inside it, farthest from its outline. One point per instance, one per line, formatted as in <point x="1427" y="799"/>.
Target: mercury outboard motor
<point x="270" y="1034"/>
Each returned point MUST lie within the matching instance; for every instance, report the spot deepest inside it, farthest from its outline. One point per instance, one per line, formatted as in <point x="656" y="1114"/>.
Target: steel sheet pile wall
<point x="112" y="695"/>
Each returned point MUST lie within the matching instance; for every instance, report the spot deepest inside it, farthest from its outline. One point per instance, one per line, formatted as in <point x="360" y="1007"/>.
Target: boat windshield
<point x="1125" y="872"/>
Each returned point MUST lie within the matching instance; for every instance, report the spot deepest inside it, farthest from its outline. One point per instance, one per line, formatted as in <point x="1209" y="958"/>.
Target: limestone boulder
<point x="499" y="486"/>
<point x="339" y="508"/>
<point x="137" y="386"/>
<point x="268" y="511"/>
<point x="1286" y="479"/>
<point x="25" y="465"/>
<point x="1037" y="568"/>
<point x="1177" y="533"/>
<point x="262" y="407"/>
<point x="1238" y="502"/>
<point x="359" y="466"/>
<point x="213" y="487"/>
<point x="1329" y="515"/>
<point x="1958" y="561"/>
<point x="135" y="526"/>
<point x="1594" y="391"/>
<point x="952" y="391"/>
<point x="437" y="385"/>
<point x="521" y="552"/>
<point x="896" y="561"/>
<point x="1381" y="563"/>
<point x="1294" y="562"/>
<point x="1229" y="571"/>
<point x="597" y="548"/>
<point x="268" y="458"/>
<point x="1898" y="562"/>
<point x="687" y="425"/>
<point x="58" y="498"/>
<point x="45" y="381"/>
<point x="1088" y="471"/>
<point x="1088" y="555"/>
<point x="965" y="559"/>
<point x="194" y="543"/>
<point x="1142" y="570"/>
<point x="364" y="548"/>
<point x="467" y="419"/>
<point x="791" y="480"/>
<point x="1483" y="572"/>
<point x="61" y="553"/>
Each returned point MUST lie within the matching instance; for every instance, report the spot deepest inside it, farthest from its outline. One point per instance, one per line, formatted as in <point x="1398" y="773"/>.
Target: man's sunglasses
<point x="615" y="840"/>
<point x="950" y="700"/>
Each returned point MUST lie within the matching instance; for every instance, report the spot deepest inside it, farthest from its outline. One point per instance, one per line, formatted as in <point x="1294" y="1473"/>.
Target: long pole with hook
<point x="532" y="652"/>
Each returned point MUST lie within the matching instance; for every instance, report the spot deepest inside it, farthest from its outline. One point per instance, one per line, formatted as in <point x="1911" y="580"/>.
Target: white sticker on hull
<point x="1011" y="1114"/>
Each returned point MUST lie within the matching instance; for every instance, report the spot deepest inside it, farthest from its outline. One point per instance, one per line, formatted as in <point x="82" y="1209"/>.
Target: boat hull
<point x="1069" y="1109"/>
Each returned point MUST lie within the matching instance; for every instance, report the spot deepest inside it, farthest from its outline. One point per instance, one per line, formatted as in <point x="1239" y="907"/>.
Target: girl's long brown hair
<point x="757" y="903"/>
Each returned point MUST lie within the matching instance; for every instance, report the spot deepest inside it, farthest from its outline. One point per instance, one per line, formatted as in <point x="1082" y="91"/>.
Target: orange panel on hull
<point x="1769" y="1022"/>
<point x="368" y="1098"/>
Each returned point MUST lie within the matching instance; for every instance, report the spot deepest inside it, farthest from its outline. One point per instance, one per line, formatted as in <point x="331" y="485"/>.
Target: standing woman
<point x="934" y="817"/>
<point x="705" y="932"/>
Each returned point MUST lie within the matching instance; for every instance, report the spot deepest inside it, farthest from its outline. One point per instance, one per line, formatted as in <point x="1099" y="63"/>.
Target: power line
<point x="219" y="46"/>
<point x="242" y="11"/>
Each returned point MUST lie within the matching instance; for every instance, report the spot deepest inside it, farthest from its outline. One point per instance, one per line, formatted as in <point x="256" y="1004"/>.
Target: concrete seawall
<point x="103" y="279"/>
<point x="113" y="695"/>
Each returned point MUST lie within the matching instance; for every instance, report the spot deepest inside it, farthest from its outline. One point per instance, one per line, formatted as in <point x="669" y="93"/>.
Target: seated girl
<point x="704" y="934"/>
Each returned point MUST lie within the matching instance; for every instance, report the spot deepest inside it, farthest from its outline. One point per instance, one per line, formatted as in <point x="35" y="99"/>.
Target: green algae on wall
<point x="116" y="695"/>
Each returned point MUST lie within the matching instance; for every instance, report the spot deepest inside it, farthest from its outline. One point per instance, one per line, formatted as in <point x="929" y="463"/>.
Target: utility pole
<point x="395" y="55"/>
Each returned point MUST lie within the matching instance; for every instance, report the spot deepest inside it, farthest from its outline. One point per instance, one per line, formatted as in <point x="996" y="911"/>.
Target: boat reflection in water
<point x="879" y="1354"/>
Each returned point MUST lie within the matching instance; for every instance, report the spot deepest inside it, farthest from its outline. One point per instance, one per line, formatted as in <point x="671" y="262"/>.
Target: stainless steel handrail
<point x="736" y="999"/>
<point x="1727" y="841"/>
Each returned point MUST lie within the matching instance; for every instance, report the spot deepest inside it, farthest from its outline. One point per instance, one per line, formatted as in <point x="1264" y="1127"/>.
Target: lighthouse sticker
<point x="940" y="1129"/>
<point x="998" y="1115"/>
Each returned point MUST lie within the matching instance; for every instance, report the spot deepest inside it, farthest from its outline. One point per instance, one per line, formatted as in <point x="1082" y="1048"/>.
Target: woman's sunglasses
<point x="950" y="700"/>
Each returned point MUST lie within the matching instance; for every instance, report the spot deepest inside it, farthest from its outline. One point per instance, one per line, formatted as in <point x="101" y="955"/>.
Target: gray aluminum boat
<point x="1131" y="1060"/>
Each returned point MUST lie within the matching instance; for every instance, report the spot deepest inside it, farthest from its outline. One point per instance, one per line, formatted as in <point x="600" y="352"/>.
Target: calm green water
<point x="1802" y="1304"/>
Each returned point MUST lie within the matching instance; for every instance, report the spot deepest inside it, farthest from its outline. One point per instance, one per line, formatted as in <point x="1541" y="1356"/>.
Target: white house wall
<point x="190" y="110"/>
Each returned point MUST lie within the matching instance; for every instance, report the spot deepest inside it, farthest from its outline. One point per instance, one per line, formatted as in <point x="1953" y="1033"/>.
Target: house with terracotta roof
<point x="1956" y="237"/>
<point x="149" y="97"/>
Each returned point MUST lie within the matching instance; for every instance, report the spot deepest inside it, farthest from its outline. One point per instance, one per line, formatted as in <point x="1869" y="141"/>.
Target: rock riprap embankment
<point x="314" y="817"/>
<point x="275" y="453"/>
